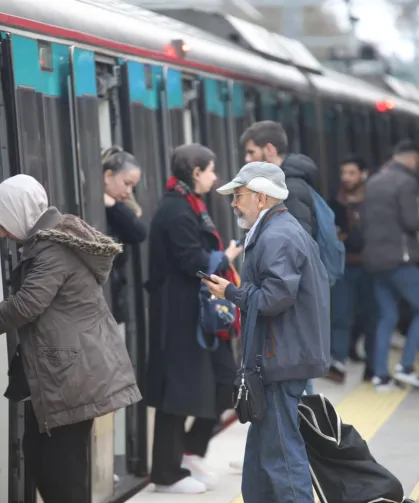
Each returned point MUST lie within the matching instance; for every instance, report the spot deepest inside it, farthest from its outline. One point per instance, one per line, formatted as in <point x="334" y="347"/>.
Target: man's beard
<point x="241" y="220"/>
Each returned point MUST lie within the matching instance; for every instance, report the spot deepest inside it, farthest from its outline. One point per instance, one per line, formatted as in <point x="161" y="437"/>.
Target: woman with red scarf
<point x="183" y="378"/>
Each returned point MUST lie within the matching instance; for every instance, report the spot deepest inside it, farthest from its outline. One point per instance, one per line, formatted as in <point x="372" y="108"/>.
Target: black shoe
<point x="336" y="374"/>
<point x="355" y="356"/>
<point x="368" y="374"/>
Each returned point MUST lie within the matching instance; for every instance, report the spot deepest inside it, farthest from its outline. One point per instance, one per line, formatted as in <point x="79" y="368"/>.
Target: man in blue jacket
<point x="283" y="274"/>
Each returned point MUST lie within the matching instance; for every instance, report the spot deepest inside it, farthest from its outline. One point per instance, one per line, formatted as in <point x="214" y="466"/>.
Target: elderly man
<point x="284" y="276"/>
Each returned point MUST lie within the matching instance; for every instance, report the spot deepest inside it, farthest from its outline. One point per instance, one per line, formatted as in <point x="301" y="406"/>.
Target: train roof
<point x="121" y="28"/>
<point x="124" y="28"/>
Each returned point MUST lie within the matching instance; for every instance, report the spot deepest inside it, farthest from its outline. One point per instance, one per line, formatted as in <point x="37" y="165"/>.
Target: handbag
<point x="216" y="316"/>
<point x="249" y="399"/>
<point x="18" y="388"/>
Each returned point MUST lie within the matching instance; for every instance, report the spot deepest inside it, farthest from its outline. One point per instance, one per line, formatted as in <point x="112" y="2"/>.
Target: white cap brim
<point x="228" y="188"/>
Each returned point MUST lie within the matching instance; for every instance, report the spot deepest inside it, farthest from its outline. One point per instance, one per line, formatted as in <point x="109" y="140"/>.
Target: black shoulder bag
<point x="249" y="395"/>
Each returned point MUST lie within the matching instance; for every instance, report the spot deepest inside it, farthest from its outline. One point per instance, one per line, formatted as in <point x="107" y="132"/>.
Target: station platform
<point x="389" y="422"/>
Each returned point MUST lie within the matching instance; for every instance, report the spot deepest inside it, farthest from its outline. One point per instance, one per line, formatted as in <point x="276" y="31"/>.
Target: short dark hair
<point x="116" y="160"/>
<point x="355" y="159"/>
<point x="186" y="158"/>
<point x="405" y="146"/>
<point x="264" y="132"/>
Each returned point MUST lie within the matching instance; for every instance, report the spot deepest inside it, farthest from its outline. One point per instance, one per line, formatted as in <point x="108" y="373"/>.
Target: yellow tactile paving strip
<point x="415" y="493"/>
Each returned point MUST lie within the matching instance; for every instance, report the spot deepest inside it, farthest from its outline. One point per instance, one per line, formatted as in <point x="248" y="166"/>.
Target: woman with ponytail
<point x="185" y="378"/>
<point x="122" y="173"/>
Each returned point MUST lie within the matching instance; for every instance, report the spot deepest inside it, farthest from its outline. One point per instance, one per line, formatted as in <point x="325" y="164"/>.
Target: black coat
<point x="182" y="377"/>
<point x="301" y="175"/>
<point x="126" y="228"/>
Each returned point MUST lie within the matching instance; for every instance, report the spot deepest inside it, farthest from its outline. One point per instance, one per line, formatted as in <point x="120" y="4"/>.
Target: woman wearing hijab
<point x="74" y="364"/>
<point x="184" y="378"/>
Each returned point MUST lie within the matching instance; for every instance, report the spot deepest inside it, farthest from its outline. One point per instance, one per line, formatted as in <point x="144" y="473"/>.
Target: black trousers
<point x="58" y="464"/>
<point x="171" y="443"/>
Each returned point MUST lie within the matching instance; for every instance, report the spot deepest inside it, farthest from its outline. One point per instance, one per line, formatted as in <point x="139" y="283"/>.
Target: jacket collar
<point x="279" y="208"/>
<point x="398" y="166"/>
<point x="48" y="220"/>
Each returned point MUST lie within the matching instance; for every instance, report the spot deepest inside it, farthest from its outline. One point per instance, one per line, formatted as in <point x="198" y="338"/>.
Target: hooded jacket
<point x="74" y="358"/>
<point x="301" y="174"/>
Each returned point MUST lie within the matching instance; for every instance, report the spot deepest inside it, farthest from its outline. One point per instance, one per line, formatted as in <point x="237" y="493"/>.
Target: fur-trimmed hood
<point x="95" y="249"/>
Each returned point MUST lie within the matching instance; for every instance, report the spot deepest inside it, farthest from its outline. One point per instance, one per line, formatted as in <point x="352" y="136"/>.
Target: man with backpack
<point x="268" y="141"/>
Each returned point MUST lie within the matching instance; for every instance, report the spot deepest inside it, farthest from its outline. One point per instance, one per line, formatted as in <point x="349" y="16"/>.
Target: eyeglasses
<point x="236" y="196"/>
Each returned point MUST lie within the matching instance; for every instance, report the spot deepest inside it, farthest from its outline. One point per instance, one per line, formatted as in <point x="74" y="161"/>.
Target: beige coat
<point x="74" y="358"/>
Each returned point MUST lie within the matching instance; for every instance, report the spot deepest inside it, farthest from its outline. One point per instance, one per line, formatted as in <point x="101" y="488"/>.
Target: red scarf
<point x="201" y="211"/>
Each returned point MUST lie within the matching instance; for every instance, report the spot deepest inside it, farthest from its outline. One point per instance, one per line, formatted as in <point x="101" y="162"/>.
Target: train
<point x="81" y="75"/>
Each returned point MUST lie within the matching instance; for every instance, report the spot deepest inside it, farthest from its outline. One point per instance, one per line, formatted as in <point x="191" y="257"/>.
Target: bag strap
<point x="251" y="344"/>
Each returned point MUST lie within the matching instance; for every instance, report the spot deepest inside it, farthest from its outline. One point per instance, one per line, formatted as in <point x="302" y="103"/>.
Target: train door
<point x="140" y="114"/>
<point x="86" y="134"/>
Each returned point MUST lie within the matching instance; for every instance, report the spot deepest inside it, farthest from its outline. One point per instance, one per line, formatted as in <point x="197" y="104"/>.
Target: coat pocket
<point x="59" y="376"/>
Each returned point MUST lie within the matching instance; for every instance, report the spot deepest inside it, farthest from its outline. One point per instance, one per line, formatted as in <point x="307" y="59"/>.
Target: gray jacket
<point x="391" y="219"/>
<point x="74" y="357"/>
<point x="284" y="275"/>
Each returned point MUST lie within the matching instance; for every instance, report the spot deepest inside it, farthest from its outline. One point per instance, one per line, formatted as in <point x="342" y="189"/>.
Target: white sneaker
<point x="187" y="485"/>
<point x="237" y="465"/>
<point x="383" y="385"/>
<point x="199" y="471"/>
<point x="406" y="377"/>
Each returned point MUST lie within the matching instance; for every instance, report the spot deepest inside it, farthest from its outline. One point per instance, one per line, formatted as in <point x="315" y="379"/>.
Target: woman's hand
<point x="108" y="200"/>
<point x="233" y="251"/>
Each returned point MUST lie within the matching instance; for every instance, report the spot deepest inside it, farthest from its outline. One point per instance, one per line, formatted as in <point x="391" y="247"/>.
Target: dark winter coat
<point x="125" y="227"/>
<point x="182" y="377"/>
<point x="74" y="358"/>
<point x="283" y="274"/>
<point x="301" y="175"/>
<point x="349" y="220"/>
<point x="391" y="222"/>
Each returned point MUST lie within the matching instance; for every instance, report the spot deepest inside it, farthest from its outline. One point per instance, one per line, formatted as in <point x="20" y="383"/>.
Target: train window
<point x="45" y="56"/>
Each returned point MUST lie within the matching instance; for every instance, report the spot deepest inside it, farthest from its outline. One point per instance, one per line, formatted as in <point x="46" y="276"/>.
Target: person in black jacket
<point x="268" y="141"/>
<point x="355" y="291"/>
<point x="121" y="174"/>
<point x="391" y="252"/>
<point x="184" y="378"/>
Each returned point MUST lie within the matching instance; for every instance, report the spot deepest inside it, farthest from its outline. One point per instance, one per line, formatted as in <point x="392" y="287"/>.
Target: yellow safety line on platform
<point x="367" y="411"/>
<point x="415" y="493"/>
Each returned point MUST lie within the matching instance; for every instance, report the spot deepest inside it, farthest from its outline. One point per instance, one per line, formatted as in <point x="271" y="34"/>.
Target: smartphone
<point x="202" y="275"/>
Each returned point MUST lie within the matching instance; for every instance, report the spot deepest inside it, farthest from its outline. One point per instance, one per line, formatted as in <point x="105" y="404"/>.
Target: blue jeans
<point x="389" y="287"/>
<point x="276" y="468"/>
<point x="351" y="294"/>
<point x="310" y="387"/>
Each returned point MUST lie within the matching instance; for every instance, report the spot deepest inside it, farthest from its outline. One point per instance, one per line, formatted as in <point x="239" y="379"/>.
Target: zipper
<point x="405" y="249"/>
<point x="46" y="426"/>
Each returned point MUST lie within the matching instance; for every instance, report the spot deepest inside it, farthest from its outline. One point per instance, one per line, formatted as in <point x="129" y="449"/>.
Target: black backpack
<point x="342" y="468"/>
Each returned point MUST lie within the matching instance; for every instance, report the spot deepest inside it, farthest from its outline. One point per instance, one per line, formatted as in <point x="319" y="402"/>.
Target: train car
<point x="81" y="75"/>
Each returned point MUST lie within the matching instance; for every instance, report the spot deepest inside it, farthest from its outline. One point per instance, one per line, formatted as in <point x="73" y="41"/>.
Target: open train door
<point x="84" y="118"/>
